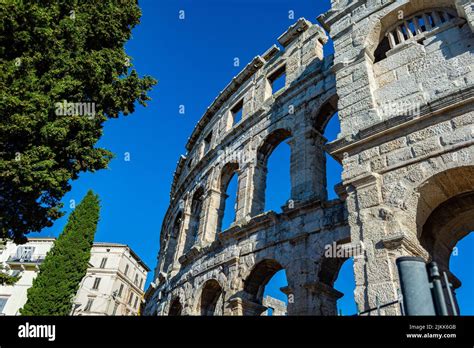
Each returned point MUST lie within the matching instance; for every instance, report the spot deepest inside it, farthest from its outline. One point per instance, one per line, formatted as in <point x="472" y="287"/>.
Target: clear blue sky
<point x="193" y="61"/>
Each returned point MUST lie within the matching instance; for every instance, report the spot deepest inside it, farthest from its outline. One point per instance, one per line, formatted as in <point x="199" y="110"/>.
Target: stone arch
<point x="228" y="171"/>
<point x="270" y="143"/>
<point x="419" y="191"/>
<point x="323" y="114"/>
<point x="439" y="188"/>
<point x="176" y="308"/>
<point x="264" y="151"/>
<point x="445" y="214"/>
<point x="379" y="26"/>
<point x="211" y="299"/>
<point x="195" y="213"/>
<point x="261" y="273"/>
<point x="172" y="243"/>
<point x="324" y="162"/>
<point x="450" y="222"/>
<point x="329" y="268"/>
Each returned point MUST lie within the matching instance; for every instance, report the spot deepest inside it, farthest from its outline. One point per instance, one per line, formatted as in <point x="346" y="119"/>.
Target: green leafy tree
<point x="63" y="73"/>
<point x="66" y="263"/>
<point x="6" y="279"/>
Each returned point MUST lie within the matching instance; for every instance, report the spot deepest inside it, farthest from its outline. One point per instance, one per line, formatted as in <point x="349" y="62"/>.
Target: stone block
<point x="398" y="157"/>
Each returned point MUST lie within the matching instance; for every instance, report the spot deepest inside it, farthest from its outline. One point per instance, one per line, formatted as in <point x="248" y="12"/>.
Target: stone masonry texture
<point x="401" y="84"/>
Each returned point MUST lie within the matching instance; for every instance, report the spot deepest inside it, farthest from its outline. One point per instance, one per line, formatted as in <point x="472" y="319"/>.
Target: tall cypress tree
<point x="66" y="263"/>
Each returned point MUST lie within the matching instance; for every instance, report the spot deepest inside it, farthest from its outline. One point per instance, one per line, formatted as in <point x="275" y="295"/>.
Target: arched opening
<point x="274" y="298"/>
<point x="255" y="286"/>
<point x="228" y="196"/>
<point x="336" y="278"/>
<point x="327" y="123"/>
<point x="211" y="302"/>
<point x="195" y="218"/>
<point x="172" y="241"/>
<point x="272" y="178"/>
<point x="462" y="264"/>
<point x="427" y="32"/>
<point x="445" y="216"/>
<point x="345" y="283"/>
<point x="333" y="167"/>
<point x="278" y="183"/>
<point x="175" y="308"/>
<point x="414" y="28"/>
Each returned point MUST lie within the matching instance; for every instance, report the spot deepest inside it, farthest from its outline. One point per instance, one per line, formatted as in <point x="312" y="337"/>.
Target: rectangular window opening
<point x="278" y="79"/>
<point x="120" y="291"/>
<point x="89" y="305"/>
<point x="3" y="303"/>
<point x="96" y="284"/>
<point x="135" y="303"/>
<point x="103" y="262"/>
<point x="207" y="142"/>
<point x="237" y="112"/>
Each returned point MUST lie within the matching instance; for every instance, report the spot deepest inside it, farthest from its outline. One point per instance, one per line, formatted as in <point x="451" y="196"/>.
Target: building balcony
<point x="35" y="260"/>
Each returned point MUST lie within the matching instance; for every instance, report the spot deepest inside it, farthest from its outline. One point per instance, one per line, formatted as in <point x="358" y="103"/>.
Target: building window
<point x="130" y="298"/>
<point x="136" y="279"/>
<point x="207" y="142"/>
<point x="96" y="284"/>
<point x="116" y="306"/>
<point x="90" y="301"/>
<point x="103" y="262"/>
<point x="120" y="291"/>
<point x="25" y="253"/>
<point x="3" y="303"/>
<point x="194" y="221"/>
<point x="136" y="303"/>
<point x="126" y="270"/>
<point x="236" y="112"/>
<point x="228" y="196"/>
<point x="277" y="80"/>
<point x="141" y="282"/>
<point x="414" y="29"/>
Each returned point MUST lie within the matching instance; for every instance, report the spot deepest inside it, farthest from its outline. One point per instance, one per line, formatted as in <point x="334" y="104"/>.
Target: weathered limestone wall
<point x="295" y="243"/>
<point x="401" y="81"/>
<point x="391" y="153"/>
<point x="278" y="307"/>
<point x="293" y="240"/>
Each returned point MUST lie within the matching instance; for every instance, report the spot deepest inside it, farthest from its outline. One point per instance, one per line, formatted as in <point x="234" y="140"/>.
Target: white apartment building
<point x="114" y="283"/>
<point x="21" y="260"/>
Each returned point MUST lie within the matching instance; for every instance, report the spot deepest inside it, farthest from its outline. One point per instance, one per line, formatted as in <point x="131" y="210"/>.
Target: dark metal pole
<point x="415" y="286"/>
<point x="440" y="302"/>
<point x="450" y="293"/>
